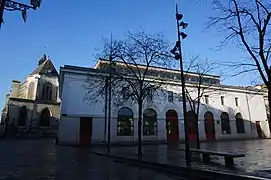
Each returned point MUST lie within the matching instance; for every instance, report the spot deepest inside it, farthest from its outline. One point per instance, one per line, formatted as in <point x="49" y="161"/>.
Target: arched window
<point x="22" y="116"/>
<point x="172" y="126"/>
<point x="125" y="122"/>
<point x="47" y="91"/>
<point x="209" y="126"/>
<point x="149" y="122"/>
<point x="31" y="90"/>
<point x="225" y="123"/>
<point x="240" y="125"/>
<point x="45" y="118"/>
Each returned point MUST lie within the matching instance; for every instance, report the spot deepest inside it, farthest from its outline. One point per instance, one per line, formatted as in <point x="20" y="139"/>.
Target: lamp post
<point x="10" y="5"/>
<point x="109" y="104"/>
<point x="177" y="51"/>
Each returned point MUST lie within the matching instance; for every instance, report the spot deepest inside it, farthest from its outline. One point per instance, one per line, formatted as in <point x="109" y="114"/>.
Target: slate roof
<point x="43" y="67"/>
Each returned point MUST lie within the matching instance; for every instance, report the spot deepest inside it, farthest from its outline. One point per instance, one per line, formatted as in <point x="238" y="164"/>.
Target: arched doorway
<point x="45" y="118"/>
<point x="225" y="123"/>
<point x="240" y="125"/>
<point x="22" y="116"/>
<point x="209" y="126"/>
<point x="149" y="122"/>
<point x="192" y="126"/>
<point x="125" y="122"/>
<point x="172" y="126"/>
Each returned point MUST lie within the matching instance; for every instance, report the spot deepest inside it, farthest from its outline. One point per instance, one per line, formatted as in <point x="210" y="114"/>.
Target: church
<point x="33" y="106"/>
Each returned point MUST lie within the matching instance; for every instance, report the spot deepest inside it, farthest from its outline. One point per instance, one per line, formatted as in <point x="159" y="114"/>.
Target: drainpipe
<point x="248" y="108"/>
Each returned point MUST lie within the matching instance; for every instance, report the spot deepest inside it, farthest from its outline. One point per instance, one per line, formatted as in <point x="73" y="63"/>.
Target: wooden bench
<point x="228" y="156"/>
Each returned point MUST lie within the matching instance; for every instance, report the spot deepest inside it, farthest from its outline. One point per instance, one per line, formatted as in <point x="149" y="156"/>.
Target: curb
<point x="150" y="143"/>
<point x="181" y="171"/>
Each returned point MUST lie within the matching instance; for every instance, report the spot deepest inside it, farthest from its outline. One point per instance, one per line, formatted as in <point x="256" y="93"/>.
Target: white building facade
<point x="226" y="112"/>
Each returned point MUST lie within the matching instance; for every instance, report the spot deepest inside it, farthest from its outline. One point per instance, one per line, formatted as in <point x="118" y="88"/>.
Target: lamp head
<point x="173" y="51"/>
<point x="183" y="24"/>
<point x="177" y="44"/>
<point x="179" y="16"/>
<point x="177" y="56"/>
<point x="183" y="35"/>
<point x="35" y="3"/>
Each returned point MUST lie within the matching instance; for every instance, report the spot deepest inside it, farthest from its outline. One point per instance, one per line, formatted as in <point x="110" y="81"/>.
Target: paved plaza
<point x="256" y="162"/>
<point x="41" y="160"/>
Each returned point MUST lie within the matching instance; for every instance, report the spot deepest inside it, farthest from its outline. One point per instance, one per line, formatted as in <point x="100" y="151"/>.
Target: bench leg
<point x="229" y="161"/>
<point x="206" y="158"/>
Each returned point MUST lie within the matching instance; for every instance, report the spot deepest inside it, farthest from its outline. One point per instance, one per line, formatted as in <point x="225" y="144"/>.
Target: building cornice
<point x="97" y="72"/>
<point x="34" y="101"/>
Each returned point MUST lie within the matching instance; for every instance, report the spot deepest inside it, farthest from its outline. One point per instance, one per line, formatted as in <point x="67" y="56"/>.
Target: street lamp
<point x="177" y="52"/>
<point x="35" y="3"/>
<point x="109" y="100"/>
<point x="10" y="5"/>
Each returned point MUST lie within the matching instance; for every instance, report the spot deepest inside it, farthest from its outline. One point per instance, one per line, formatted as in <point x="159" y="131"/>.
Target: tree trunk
<point x="269" y="102"/>
<point x="139" y="128"/>
<point x="197" y="131"/>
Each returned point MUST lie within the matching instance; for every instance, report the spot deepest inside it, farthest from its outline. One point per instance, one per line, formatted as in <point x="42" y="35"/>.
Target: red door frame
<point x="85" y="132"/>
<point x="172" y="126"/>
<point x="209" y="125"/>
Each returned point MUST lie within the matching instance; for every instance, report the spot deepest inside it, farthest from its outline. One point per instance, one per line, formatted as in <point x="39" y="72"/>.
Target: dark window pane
<point x="125" y="122"/>
<point x="225" y="123"/>
<point x="240" y="125"/>
<point x="170" y="96"/>
<point x="149" y="123"/>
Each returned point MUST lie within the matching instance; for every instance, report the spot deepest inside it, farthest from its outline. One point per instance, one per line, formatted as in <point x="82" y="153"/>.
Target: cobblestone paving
<point x="41" y="160"/>
<point x="256" y="162"/>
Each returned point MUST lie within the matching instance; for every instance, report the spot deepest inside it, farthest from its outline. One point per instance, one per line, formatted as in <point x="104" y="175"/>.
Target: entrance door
<point x="85" y="131"/>
<point x="172" y="126"/>
<point x="259" y="129"/>
<point x="209" y="126"/>
<point x="192" y="126"/>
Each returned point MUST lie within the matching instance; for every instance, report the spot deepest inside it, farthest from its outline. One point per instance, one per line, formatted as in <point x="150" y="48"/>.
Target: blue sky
<point x="72" y="30"/>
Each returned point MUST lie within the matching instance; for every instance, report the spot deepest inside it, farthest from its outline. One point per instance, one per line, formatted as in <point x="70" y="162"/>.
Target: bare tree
<point x="134" y="78"/>
<point x="195" y="90"/>
<point x="248" y="24"/>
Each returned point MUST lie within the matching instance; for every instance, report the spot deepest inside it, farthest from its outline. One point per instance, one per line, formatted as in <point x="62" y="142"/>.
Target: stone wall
<point x="34" y="110"/>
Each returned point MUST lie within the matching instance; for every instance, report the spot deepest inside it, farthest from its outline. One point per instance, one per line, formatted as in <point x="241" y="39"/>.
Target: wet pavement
<point x="42" y="160"/>
<point x="257" y="161"/>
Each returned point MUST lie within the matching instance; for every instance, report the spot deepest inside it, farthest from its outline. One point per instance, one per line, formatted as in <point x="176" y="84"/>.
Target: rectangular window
<point x="150" y="95"/>
<point x="180" y="97"/>
<point x="125" y="93"/>
<point x="170" y="96"/>
<point x="222" y="99"/>
<point x="236" y="101"/>
<point x="206" y="98"/>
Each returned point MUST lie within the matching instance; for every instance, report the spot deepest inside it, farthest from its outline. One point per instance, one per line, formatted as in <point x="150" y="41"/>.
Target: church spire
<point x="42" y="59"/>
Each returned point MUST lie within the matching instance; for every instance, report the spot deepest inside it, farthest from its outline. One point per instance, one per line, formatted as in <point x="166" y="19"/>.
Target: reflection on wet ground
<point x="257" y="160"/>
<point x="40" y="159"/>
